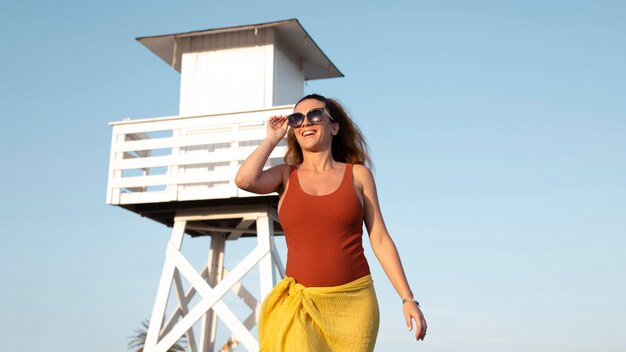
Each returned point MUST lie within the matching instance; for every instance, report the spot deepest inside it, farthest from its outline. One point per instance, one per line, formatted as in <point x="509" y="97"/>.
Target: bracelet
<point x="404" y="300"/>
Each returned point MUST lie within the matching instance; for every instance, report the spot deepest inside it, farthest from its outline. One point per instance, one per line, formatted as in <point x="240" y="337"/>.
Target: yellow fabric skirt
<point x="295" y="318"/>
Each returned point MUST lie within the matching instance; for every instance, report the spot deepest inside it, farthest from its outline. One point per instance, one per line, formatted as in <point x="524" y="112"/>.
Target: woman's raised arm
<point x="251" y="176"/>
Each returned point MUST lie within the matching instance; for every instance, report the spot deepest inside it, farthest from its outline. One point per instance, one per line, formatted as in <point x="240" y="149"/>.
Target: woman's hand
<point x="277" y="128"/>
<point x="412" y="312"/>
<point x="251" y="176"/>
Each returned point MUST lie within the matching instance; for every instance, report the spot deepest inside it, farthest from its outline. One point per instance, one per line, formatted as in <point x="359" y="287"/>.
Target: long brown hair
<point x="348" y="146"/>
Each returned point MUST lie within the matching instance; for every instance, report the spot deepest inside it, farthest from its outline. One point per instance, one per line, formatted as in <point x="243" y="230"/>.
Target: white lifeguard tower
<point x="180" y="170"/>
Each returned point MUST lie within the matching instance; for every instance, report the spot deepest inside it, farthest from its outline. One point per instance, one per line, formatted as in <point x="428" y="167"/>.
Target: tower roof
<point x="314" y="63"/>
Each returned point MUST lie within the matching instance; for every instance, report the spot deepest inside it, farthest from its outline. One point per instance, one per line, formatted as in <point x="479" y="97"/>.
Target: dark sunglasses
<point x="314" y="116"/>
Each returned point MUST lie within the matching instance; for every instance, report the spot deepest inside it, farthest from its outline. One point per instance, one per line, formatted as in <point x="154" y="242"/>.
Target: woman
<point x="327" y="301"/>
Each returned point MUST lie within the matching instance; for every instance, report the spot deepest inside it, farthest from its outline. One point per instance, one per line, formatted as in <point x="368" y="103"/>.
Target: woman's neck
<point x="318" y="161"/>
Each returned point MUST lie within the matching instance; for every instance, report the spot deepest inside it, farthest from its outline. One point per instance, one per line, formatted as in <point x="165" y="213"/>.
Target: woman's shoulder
<point x="361" y="170"/>
<point x="284" y="169"/>
<point x="362" y="175"/>
<point x="280" y="168"/>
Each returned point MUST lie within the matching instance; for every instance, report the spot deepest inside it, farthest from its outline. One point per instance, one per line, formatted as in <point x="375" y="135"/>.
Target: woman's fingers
<point x="277" y="128"/>
<point x="277" y="121"/>
<point x="411" y="314"/>
<point x="421" y="327"/>
<point x="409" y="321"/>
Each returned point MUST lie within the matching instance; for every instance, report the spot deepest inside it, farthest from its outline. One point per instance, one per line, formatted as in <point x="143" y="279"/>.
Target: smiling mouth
<point x="308" y="133"/>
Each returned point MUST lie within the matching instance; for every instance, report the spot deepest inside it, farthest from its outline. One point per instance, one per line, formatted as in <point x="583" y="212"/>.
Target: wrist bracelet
<point x="404" y="300"/>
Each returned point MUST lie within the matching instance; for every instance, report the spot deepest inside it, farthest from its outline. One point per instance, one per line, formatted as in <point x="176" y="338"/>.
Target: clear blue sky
<point x="497" y="129"/>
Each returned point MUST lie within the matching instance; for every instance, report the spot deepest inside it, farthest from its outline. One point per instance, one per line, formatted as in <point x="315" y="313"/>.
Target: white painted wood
<point x="215" y="265"/>
<point x="144" y="197"/>
<point x="210" y="283"/>
<point x="113" y="194"/>
<point x="211" y="299"/>
<point x="158" y="161"/>
<point x="184" y="309"/>
<point x="170" y="159"/>
<point x="243" y="225"/>
<point x="214" y="192"/>
<point x="249" y="67"/>
<point x="265" y="235"/>
<point x="240" y="290"/>
<point x="249" y="118"/>
<point x="215" y="294"/>
<point x="246" y="296"/>
<point x="268" y="70"/>
<point x="251" y="302"/>
<point x="288" y="76"/>
<point x="177" y="314"/>
<point x="155" y="180"/>
<point x="230" y="212"/>
<point x="233" y="234"/>
<point x="164" y="286"/>
<point x="314" y="63"/>
<point x="225" y="72"/>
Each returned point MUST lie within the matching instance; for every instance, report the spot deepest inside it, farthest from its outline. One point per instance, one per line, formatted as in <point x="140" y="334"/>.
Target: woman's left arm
<point x="385" y="249"/>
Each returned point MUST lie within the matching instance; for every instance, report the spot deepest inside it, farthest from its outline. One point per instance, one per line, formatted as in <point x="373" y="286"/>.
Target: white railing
<point x="185" y="158"/>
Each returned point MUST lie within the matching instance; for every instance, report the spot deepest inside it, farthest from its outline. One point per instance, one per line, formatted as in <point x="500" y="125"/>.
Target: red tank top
<point x="323" y="234"/>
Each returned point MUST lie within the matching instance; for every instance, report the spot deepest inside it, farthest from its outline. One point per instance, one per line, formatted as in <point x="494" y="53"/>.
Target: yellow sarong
<point x="295" y="318"/>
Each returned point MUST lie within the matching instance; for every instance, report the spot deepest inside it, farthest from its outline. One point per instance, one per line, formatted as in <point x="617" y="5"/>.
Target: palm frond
<point x="138" y="341"/>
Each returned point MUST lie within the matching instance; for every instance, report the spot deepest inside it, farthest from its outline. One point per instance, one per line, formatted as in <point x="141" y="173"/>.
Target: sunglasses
<point x="314" y="116"/>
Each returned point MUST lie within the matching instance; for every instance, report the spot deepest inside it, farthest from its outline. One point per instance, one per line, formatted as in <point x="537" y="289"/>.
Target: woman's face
<point x="314" y="137"/>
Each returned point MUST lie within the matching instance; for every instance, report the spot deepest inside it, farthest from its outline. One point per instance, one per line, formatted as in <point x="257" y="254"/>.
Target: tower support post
<point x="214" y="281"/>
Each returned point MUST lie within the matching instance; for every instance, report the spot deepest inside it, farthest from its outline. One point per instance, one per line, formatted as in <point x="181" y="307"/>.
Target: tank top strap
<point x="293" y="178"/>
<point x="292" y="169"/>
<point x="347" y="176"/>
